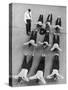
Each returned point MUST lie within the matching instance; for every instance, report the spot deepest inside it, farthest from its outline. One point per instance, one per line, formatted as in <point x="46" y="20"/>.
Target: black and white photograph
<point x="37" y="44"/>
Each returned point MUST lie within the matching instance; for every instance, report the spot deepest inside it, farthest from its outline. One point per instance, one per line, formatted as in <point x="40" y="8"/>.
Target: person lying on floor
<point x="25" y="68"/>
<point x="40" y="25"/>
<point x="56" y="43"/>
<point x="57" y="26"/>
<point x="40" y="71"/>
<point x="33" y="39"/>
<point x="39" y="22"/>
<point x="55" y="68"/>
<point x="56" y="35"/>
<point x="49" y="19"/>
<point x="46" y="31"/>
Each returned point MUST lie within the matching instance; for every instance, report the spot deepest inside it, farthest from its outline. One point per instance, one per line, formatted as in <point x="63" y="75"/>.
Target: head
<point x="29" y="10"/>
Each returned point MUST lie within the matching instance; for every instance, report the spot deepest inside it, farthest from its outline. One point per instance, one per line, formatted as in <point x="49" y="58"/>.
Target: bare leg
<point x="34" y="44"/>
<point x="30" y="42"/>
<point x="53" y="47"/>
<point x="59" y="76"/>
<point x="27" y="43"/>
<point x="50" y="76"/>
<point x="40" y="43"/>
<point x="33" y="77"/>
<point x="58" y="47"/>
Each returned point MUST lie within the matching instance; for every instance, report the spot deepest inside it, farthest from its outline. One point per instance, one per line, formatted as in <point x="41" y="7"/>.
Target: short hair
<point x="29" y="10"/>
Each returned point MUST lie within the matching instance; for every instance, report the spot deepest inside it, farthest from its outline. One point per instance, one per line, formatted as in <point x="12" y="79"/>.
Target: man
<point x="33" y="39"/>
<point x="40" y="71"/>
<point x="40" y="21"/>
<point x="27" y="20"/>
<point x="55" y="68"/>
<point x="48" y="23"/>
<point x="25" y="68"/>
<point x="56" y="37"/>
<point x="49" y="19"/>
<point x="56" y="42"/>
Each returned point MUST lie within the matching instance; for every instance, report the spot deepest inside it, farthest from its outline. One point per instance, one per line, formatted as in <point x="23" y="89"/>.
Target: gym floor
<point x="19" y="37"/>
